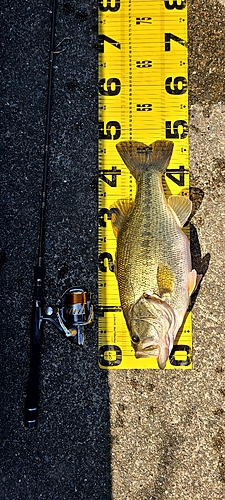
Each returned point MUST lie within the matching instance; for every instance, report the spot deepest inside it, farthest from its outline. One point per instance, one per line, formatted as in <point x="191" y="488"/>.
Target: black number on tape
<point x="175" y="133"/>
<point x="104" y="309"/>
<point x="145" y="20"/>
<point x="177" y="171"/>
<point x="144" y="107"/>
<point x="176" y="90"/>
<point x="146" y="150"/>
<point x="110" y="355"/>
<point x="101" y="262"/>
<point x="175" y="4"/>
<point x="113" y="173"/>
<point x="108" y="134"/>
<point x="105" y="38"/>
<point x="170" y="36"/>
<point x="105" y="211"/>
<point x="143" y="64"/>
<point x="113" y="86"/>
<point x="108" y="5"/>
<point x="182" y="349"/>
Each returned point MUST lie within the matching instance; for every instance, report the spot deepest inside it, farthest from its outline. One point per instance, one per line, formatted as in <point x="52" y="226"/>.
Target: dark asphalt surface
<point x="68" y="455"/>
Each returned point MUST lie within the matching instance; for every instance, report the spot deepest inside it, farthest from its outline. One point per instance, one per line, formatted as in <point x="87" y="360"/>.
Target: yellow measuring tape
<point x="143" y="72"/>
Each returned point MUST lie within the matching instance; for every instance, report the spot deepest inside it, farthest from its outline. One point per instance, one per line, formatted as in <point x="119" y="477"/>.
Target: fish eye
<point x="135" y="339"/>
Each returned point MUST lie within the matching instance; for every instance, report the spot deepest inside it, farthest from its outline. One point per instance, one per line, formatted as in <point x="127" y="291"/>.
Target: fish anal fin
<point x="181" y="208"/>
<point x="165" y="280"/>
<point x="120" y="210"/>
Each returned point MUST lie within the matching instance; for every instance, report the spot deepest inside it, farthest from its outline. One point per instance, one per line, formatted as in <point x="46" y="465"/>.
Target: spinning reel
<point x="73" y="311"/>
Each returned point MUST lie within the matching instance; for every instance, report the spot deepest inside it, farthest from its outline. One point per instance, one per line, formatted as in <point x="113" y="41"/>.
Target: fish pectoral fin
<point x="181" y="208"/>
<point x="120" y="210"/>
<point x="165" y="280"/>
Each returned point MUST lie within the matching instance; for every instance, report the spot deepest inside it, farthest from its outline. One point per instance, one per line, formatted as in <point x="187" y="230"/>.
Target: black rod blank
<point x="39" y="270"/>
<point x="46" y="152"/>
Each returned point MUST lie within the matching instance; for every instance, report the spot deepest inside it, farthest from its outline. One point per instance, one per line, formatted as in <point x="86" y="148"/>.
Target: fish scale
<point x="159" y="228"/>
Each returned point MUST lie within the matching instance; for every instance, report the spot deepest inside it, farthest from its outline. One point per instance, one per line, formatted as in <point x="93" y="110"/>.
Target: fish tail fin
<point x="140" y="158"/>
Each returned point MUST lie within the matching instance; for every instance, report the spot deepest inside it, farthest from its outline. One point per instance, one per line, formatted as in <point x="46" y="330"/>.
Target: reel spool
<point x="73" y="311"/>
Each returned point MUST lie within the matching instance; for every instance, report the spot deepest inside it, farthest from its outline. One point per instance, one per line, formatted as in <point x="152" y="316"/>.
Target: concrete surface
<point x="130" y="434"/>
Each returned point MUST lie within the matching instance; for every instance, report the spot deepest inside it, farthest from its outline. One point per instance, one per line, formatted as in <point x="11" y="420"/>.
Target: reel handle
<point x="35" y="334"/>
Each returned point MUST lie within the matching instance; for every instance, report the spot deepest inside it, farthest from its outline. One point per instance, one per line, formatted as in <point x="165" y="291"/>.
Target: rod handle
<point x="31" y="410"/>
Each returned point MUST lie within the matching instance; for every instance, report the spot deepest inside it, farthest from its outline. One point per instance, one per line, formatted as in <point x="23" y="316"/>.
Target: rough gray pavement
<point x="131" y="435"/>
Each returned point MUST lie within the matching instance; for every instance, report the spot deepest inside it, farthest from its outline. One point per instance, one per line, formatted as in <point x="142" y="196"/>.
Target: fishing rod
<point x="74" y="309"/>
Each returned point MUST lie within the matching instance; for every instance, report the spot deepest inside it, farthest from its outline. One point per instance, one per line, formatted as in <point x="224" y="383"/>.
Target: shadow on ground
<point x="68" y="454"/>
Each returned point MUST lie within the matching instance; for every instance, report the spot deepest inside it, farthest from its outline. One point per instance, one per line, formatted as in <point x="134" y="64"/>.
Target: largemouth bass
<point x="153" y="261"/>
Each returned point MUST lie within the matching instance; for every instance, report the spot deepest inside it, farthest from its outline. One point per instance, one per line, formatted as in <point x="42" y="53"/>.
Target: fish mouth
<point x="147" y="349"/>
<point x="149" y="344"/>
<point x="147" y="354"/>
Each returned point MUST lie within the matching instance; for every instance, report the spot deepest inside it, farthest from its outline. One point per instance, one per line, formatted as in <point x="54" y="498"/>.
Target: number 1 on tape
<point x="143" y="77"/>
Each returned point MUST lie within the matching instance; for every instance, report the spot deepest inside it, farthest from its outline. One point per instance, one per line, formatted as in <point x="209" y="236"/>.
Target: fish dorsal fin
<point x="120" y="209"/>
<point x="181" y="208"/>
<point x="165" y="279"/>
